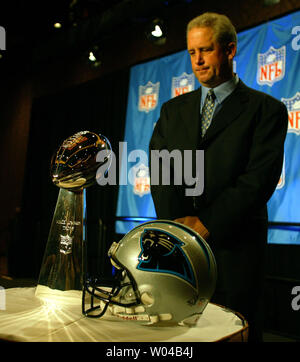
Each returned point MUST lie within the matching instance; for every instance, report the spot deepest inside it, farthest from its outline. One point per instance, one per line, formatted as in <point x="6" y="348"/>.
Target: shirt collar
<point x="222" y="91"/>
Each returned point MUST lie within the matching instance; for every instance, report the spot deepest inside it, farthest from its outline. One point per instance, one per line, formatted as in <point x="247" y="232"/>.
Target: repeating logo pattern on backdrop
<point x="148" y="96"/>
<point x="183" y="84"/>
<point x="271" y="66"/>
<point x="293" y="107"/>
<point x="141" y="185"/>
<point x="268" y="60"/>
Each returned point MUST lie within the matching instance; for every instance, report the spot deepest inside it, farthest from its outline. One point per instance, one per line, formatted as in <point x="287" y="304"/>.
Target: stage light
<point x="57" y="25"/>
<point x="94" y="56"/>
<point x="156" y="32"/>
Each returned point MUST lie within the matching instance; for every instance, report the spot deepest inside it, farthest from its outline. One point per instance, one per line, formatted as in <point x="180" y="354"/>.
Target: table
<point x="27" y="318"/>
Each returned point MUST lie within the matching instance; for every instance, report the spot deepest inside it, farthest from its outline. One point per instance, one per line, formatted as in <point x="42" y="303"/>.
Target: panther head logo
<point x="162" y="253"/>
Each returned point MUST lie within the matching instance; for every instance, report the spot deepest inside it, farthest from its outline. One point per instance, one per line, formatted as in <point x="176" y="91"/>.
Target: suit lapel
<point x="232" y="107"/>
<point x="190" y="116"/>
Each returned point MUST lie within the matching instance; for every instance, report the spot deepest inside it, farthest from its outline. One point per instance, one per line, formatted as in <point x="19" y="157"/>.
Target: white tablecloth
<point x="28" y="318"/>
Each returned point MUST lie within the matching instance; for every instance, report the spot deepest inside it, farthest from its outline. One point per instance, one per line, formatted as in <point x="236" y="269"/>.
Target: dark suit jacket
<point x="243" y="154"/>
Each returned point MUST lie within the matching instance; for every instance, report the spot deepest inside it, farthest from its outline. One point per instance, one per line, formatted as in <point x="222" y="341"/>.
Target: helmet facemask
<point x="117" y="291"/>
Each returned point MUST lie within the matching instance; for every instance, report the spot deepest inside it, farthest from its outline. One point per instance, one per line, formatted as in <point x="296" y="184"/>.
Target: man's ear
<point x="231" y="50"/>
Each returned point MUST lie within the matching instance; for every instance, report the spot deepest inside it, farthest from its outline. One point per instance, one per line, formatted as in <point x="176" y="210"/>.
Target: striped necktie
<point x="207" y="111"/>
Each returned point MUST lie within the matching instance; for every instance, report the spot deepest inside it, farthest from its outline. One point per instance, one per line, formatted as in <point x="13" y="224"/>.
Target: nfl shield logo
<point x="271" y="66"/>
<point x="293" y="107"/>
<point x="183" y="84"/>
<point x="148" y="97"/>
<point x="141" y="185"/>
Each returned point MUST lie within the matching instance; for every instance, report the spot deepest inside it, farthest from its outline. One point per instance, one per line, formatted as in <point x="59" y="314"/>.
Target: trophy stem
<point x="63" y="263"/>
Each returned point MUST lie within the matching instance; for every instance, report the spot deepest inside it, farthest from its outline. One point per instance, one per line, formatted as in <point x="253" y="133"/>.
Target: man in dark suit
<point x="242" y="133"/>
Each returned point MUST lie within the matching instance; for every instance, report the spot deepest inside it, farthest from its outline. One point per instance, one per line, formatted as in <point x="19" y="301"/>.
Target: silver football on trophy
<point x="74" y="164"/>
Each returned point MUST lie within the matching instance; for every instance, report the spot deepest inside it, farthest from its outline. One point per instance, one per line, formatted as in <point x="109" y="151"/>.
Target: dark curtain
<point x="98" y="106"/>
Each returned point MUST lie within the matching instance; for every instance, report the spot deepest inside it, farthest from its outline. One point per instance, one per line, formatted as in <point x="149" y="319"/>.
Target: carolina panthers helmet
<point x="164" y="272"/>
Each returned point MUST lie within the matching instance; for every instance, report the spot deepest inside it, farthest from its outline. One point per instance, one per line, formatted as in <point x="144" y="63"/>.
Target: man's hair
<point x="224" y="31"/>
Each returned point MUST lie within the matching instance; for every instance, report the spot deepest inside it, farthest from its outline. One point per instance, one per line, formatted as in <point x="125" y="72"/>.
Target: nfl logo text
<point x="183" y="84"/>
<point x="293" y="107"/>
<point x="148" y="97"/>
<point x="271" y="66"/>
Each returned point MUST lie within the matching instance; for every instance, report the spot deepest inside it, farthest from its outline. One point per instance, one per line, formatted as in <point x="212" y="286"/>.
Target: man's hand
<point x="194" y="223"/>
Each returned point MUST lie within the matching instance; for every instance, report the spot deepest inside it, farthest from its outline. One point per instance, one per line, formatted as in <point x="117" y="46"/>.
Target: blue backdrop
<point x="268" y="59"/>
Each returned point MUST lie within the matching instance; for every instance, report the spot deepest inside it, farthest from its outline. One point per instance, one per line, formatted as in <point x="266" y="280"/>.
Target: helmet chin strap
<point x="134" y="314"/>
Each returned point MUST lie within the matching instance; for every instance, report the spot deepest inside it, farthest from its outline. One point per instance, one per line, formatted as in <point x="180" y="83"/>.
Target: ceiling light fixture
<point x="94" y="56"/>
<point x="156" y="31"/>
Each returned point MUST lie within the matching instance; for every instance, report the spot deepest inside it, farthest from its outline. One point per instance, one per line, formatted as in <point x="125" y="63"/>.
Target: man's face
<point x="211" y="64"/>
